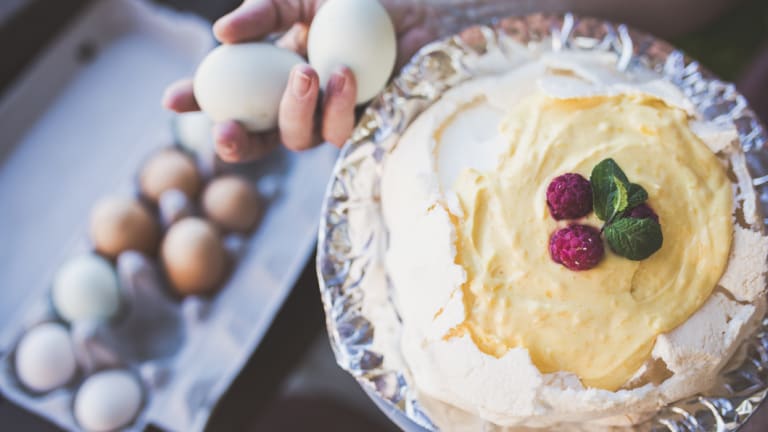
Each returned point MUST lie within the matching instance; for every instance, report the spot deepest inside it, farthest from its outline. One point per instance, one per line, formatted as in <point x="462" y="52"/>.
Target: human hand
<point x="299" y="126"/>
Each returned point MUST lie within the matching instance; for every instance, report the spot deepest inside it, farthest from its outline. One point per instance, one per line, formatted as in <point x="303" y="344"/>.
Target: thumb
<point x="255" y="19"/>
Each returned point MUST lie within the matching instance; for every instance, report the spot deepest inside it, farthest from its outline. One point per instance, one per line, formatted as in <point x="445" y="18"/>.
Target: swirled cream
<point x="494" y="332"/>
<point x="599" y="324"/>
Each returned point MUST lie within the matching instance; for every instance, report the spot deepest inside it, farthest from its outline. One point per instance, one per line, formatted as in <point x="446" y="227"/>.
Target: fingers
<point x="297" y="108"/>
<point x="339" y="107"/>
<point x="295" y="39"/>
<point x="255" y="19"/>
<point x="234" y="144"/>
<point x="179" y="97"/>
<point x="296" y="118"/>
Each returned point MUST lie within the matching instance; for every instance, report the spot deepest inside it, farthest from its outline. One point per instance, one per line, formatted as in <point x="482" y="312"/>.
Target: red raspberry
<point x="577" y="247"/>
<point x="569" y="196"/>
<point x="642" y="211"/>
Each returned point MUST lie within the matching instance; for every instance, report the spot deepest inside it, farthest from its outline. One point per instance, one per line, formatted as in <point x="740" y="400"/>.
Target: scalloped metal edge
<point x="342" y="262"/>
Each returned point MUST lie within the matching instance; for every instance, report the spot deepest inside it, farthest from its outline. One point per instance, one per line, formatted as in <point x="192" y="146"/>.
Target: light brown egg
<point x="232" y="203"/>
<point x="169" y="169"/>
<point x="119" y="224"/>
<point x="194" y="257"/>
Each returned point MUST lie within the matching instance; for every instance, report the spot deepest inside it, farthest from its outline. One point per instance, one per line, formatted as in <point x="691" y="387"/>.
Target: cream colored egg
<point x="358" y="34"/>
<point x="169" y="169"/>
<point x="108" y="401"/>
<point x="232" y="203"/>
<point x="194" y="257"/>
<point x="86" y="288"/>
<point x="119" y="224"/>
<point x="45" y="358"/>
<point x="244" y="82"/>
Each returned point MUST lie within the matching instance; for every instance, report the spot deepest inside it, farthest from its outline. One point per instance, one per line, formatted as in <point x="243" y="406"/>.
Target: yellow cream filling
<point x="600" y="324"/>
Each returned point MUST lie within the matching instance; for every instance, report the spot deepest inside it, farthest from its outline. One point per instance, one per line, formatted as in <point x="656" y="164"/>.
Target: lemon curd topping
<point x="599" y="324"/>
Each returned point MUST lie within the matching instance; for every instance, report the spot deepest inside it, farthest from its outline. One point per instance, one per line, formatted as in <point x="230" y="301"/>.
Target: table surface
<point x="293" y="353"/>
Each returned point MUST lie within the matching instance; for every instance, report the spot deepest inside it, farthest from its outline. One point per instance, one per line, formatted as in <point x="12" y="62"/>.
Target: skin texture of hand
<point x="417" y="22"/>
<point x="299" y="126"/>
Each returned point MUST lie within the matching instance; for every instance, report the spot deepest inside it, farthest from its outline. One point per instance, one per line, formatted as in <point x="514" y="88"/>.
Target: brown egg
<point x="119" y="224"/>
<point x="169" y="169"/>
<point x="194" y="257"/>
<point x="232" y="203"/>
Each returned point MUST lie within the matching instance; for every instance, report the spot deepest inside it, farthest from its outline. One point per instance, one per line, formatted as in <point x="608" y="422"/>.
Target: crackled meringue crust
<point x="462" y="386"/>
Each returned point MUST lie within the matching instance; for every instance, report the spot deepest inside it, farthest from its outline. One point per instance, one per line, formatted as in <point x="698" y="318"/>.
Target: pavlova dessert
<point x="568" y="244"/>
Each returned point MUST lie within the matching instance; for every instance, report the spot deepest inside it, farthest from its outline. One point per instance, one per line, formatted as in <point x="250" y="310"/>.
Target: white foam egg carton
<point x="76" y="127"/>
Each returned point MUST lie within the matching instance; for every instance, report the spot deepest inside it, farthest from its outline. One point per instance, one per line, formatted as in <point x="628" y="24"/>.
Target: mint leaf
<point x="610" y="189"/>
<point x="636" y="239"/>
<point x="620" y="197"/>
<point x="637" y="195"/>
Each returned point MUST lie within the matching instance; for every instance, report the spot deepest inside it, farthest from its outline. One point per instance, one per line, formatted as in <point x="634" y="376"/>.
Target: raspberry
<point x="642" y="211"/>
<point x="569" y="196"/>
<point x="577" y="247"/>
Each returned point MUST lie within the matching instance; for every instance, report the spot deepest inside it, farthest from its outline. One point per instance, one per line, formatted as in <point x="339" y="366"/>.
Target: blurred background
<point x="291" y="379"/>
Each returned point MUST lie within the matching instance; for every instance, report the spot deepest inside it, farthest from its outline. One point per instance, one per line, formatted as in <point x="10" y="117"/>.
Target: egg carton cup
<point x="78" y="126"/>
<point x="147" y="331"/>
<point x="151" y="326"/>
<point x="353" y="235"/>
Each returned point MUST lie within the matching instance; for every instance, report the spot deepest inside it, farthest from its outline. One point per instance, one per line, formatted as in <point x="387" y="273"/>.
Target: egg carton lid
<point x="77" y="127"/>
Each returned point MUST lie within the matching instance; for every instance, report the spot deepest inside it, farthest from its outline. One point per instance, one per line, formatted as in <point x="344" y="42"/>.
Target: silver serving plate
<point x="353" y="235"/>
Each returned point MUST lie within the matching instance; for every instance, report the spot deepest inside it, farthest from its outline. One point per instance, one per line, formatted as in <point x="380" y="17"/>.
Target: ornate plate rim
<point x="351" y="333"/>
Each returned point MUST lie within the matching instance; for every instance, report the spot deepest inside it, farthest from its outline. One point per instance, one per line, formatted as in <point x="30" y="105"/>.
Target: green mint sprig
<point x="612" y="195"/>
<point x="637" y="195"/>
<point x="636" y="239"/>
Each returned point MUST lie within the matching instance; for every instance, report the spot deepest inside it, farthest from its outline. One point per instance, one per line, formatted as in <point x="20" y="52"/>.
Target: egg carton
<point x="78" y="127"/>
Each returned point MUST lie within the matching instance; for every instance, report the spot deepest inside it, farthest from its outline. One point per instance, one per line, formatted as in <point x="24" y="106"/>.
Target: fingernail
<point x="337" y="82"/>
<point x="169" y="97"/>
<point x="228" y="147"/>
<point x="167" y="100"/>
<point x="300" y="83"/>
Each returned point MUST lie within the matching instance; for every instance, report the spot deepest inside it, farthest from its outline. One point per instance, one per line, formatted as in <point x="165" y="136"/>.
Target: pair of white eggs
<point x="245" y="82"/>
<point x="45" y="360"/>
<point x="85" y="288"/>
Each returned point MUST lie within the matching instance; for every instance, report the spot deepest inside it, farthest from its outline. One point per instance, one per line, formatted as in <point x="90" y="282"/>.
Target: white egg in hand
<point x="358" y="34"/>
<point x="86" y="287"/>
<point x="244" y="82"/>
<point x="108" y="401"/>
<point x="45" y="358"/>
